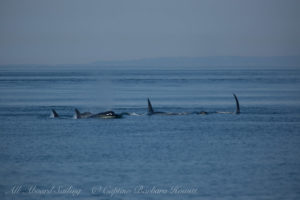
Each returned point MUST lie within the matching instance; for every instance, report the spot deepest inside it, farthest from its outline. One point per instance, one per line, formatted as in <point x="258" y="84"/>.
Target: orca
<point x="201" y="113"/>
<point x="104" y="115"/>
<point x="84" y="115"/>
<point x="107" y="115"/>
<point x="53" y="114"/>
<point x="152" y="112"/>
<point x="237" y="109"/>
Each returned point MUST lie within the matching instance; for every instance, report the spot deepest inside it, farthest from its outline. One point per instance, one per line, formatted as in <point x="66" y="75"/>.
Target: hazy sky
<point x="74" y="32"/>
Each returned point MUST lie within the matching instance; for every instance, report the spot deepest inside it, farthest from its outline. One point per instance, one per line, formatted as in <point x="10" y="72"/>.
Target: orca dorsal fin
<point x="77" y="114"/>
<point x="54" y="113"/>
<point x="237" y="110"/>
<point x="150" y="109"/>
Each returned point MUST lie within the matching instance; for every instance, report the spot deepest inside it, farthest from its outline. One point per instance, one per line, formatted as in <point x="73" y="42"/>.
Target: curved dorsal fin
<point x="237" y="110"/>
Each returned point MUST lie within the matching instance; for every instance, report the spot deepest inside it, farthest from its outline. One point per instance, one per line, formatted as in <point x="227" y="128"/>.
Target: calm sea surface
<point x="254" y="155"/>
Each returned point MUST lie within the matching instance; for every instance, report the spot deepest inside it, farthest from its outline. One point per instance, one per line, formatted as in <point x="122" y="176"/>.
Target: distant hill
<point x="183" y="62"/>
<point x="216" y="61"/>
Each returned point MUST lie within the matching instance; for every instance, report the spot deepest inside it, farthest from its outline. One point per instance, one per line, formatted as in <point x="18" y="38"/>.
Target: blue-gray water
<point x="254" y="155"/>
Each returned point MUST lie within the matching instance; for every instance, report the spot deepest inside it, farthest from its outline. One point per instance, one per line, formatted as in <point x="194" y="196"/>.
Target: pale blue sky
<point x="76" y="32"/>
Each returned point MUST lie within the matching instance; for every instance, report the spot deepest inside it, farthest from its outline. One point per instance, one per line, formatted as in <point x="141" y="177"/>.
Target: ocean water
<point x="254" y="155"/>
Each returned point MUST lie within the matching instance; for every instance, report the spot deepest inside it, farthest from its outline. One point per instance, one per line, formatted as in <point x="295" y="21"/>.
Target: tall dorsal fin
<point x="150" y="109"/>
<point x="77" y="114"/>
<point x="237" y="110"/>
<point x="54" y="113"/>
